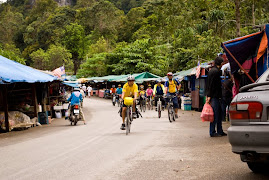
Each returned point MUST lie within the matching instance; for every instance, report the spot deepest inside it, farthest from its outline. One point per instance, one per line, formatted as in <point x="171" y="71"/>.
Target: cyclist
<point x="142" y="93"/>
<point x="171" y="87"/>
<point x="159" y="91"/>
<point x="77" y="98"/>
<point x="113" y="90"/>
<point x="119" y="90"/>
<point x="149" y="92"/>
<point x="130" y="89"/>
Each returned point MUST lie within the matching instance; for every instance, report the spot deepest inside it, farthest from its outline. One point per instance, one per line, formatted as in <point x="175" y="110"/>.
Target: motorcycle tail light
<point x="76" y="106"/>
<point x="245" y="110"/>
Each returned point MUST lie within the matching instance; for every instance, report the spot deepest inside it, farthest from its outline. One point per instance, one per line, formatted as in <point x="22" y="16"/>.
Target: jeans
<point x="216" y="105"/>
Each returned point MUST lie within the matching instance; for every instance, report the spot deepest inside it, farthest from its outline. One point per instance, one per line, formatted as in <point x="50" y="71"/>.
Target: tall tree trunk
<point x="237" y="17"/>
<point x="253" y="13"/>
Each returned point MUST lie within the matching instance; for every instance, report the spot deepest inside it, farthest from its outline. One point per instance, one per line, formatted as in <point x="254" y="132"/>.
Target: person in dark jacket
<point x="227" y="96"/>
<point x="213" y="96"/>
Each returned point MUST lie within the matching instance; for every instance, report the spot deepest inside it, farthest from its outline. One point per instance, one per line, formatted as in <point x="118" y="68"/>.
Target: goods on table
<point x="16" y="120"/>
<point x="186" y="103"/>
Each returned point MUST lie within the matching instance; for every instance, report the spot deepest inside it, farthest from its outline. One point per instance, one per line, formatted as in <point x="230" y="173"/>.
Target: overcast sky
<point x="3" y="0"/>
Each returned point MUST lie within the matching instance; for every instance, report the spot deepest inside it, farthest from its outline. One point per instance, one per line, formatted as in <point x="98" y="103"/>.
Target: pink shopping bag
<point x="207" y="113"/>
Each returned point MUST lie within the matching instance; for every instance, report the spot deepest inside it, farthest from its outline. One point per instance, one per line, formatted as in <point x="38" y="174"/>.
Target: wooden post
<point x="241" y="67"/>
<point x="6" y="107"/>
<point x="34" y="99"/>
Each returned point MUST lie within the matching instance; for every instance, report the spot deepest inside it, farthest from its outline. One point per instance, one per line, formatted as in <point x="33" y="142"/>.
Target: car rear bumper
<point x="249" y="138"/>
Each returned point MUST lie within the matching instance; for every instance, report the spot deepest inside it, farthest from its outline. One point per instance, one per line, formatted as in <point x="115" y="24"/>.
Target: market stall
<point x="22" y="90"/>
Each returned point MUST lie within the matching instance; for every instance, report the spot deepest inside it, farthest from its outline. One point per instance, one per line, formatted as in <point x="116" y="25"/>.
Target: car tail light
<point x="245" y="110"/>
<point x="76" y="106"/>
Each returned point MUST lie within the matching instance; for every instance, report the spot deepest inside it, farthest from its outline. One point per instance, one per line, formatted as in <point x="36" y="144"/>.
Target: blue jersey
<point x="119" y="91"/>
<point x="75" y="98"/>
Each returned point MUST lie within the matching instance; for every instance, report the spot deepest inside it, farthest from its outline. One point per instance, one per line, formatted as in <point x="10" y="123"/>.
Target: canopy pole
<point x="241" y="67"/>
<point x="5" y="107"/>
<point x="34" y="99"/>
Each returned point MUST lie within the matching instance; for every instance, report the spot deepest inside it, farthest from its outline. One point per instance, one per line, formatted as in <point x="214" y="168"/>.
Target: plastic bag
<point x="207" y="113"/>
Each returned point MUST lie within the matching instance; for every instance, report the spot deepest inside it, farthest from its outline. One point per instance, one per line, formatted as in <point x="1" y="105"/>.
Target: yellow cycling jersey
<point x="128" y="90"/>
<point x="172" y="85"/>
<point x="143" y="92"/>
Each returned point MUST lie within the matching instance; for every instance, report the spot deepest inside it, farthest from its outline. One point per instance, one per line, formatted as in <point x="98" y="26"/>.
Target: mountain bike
<point x="118" y="100"/>
<point x="171" y="111"/>
<point x="159" y="105"/>
<point x="114" y="99"/>
<point x="143" y="104"/>
<point x="128" y="101"/>
<point x="150" y="103"/>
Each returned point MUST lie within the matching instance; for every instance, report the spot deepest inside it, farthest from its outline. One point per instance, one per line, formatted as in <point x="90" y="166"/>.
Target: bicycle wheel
<point x="169" y="113"/>
<point x="173" y="114"/>
<point x="159" y="111"/>
<point x="127" y="121"/>
<point x="144" y="105"/>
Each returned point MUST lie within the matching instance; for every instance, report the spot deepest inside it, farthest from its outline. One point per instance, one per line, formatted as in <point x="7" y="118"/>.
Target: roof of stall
<point x="12" y="72"/>
<point x="140" y="77"/>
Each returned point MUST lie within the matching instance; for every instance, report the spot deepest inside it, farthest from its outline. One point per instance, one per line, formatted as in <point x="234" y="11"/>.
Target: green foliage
<point x="12" y="53"/>
<point x="121" y="36"/>
<point x="51" y="59"/>
<point x="94" y="66"/>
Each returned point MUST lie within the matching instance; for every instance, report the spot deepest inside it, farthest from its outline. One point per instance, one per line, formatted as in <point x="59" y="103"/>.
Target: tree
<point x="10" y="23"/>
<point x="237" y="17"/>
<point x="74" y="41"/>
<point x="94" y="66"/>
<point x="51" y="59"/>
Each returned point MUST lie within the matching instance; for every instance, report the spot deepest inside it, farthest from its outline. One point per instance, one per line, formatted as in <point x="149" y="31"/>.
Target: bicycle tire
<point x="144" y="105"/>
<point x="169" y="114"/>
<point x="159" y="111"/>
<point x="127" y="121"/>
<point x="174" y="115"/>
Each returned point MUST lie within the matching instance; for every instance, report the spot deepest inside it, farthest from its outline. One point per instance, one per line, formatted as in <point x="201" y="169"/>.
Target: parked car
<point x="249" y="130"/>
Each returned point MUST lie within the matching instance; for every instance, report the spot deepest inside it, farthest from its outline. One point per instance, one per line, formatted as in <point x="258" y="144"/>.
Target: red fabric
<point x="207" y="113"/>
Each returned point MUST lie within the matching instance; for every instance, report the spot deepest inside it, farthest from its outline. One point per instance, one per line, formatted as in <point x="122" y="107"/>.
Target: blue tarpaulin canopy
<point x="12" y="72"/>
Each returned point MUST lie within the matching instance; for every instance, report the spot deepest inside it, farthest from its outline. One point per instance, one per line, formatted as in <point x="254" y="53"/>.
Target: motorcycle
<point x="74" y="115"/>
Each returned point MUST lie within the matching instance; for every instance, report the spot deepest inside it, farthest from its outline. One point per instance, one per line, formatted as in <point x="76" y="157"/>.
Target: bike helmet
<point x="158" y="81"/>
<point x="130" y="78"/>
<point x="76" y="89"/>
<point x="149" y="85"/>
<point x="170" y="74"/>
<point x="113" y="86"/>
<point x="141" y="87"/>
<point x="119" y="85"/>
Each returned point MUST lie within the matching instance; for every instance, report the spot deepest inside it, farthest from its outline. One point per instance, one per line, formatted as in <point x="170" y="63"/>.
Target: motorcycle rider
<point x="76" y="98"/>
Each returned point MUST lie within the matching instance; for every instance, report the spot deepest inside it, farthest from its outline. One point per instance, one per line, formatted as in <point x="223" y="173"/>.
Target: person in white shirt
<point x="84" y="88"/>
<point x="89" y="89"/>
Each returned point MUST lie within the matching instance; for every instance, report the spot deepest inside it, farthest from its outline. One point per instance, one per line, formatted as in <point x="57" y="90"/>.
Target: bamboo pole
<point x="241" y="67"/>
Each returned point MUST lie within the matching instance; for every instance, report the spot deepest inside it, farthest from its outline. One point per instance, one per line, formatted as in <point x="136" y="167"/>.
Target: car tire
<point x="258" y="167"/>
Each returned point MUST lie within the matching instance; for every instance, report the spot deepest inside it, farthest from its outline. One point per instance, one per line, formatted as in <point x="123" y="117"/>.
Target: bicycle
<point x="171" y="111"/>
<point x="143" y="104"/>
<point x="118" y="100"/>
<point x="114" y="99"/>
<point x="128" y="101"/>
<point x="150" y="103"/>
<point x="159" y="105"/>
